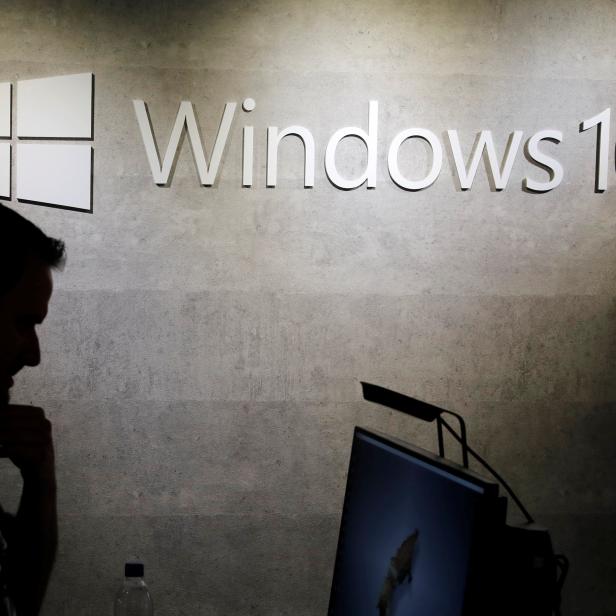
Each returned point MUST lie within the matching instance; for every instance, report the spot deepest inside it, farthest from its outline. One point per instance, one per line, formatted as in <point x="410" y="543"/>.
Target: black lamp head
<point x="400" y="402"/>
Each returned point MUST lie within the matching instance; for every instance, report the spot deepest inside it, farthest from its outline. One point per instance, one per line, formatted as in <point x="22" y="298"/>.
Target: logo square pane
<point x="55" y="107"/>
<point x="5" y="110"/>
<point x="55" y="174"/>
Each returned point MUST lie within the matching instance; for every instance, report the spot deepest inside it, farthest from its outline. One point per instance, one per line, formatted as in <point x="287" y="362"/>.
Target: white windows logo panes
<point x="49" y="110"/>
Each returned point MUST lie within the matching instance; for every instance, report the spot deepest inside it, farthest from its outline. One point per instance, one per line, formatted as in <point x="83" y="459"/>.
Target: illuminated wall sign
<point x="499" y="167"/>
<point x="54" y="109"/>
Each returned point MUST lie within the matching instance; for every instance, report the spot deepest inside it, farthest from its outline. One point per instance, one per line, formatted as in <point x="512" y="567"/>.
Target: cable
<point x="479" y="459"/>
<point x="562" y="567"/>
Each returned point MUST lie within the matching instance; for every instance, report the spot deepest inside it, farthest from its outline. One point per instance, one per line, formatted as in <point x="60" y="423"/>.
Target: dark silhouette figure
<point x="28" y="539"/>
<point x="399" y="570"/>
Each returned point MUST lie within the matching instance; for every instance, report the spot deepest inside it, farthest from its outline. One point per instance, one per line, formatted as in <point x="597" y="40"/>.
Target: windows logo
<point x="49" y="111"/>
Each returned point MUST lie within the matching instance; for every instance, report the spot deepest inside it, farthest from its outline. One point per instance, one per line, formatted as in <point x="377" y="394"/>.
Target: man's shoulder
<point x="7" y="522"/>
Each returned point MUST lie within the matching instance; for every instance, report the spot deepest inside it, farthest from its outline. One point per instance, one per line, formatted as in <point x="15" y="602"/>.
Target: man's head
<point x="26" y="258"/>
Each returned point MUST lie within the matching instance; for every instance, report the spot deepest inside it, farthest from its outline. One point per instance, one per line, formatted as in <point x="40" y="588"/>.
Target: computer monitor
<point x="415" y="533"/>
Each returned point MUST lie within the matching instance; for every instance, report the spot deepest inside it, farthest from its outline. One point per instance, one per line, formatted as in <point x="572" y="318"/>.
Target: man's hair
<point x="20" y="240"/>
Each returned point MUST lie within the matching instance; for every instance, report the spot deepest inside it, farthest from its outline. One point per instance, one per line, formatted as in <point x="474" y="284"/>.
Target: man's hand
<point x="25" y="438"/>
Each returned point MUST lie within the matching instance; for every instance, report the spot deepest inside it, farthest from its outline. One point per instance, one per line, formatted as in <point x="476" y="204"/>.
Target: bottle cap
<point x="133" y="569"/>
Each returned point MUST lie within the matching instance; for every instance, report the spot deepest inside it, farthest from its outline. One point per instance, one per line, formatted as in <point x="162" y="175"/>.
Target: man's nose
<point x="32" y="351"/>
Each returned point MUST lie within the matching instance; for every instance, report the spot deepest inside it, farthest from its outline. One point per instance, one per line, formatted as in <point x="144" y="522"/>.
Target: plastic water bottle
<point x="133" y="599"/>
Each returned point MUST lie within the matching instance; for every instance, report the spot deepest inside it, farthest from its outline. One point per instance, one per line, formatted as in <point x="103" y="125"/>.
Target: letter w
<point x="185" y="118"/>
<point x="485" y="141"/>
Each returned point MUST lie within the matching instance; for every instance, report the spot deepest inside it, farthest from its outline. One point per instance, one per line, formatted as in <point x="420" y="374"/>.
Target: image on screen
<point x="406" y="534"/>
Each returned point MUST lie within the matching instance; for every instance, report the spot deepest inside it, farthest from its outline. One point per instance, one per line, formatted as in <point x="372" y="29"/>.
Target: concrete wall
<point x="203" y="350"/>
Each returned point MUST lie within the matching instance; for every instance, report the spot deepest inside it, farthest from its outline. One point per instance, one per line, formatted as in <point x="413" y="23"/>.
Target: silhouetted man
<point x="28" y="539"/>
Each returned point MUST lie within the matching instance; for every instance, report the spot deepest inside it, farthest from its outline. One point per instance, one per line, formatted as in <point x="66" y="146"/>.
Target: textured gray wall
<point x="202" y="352"/>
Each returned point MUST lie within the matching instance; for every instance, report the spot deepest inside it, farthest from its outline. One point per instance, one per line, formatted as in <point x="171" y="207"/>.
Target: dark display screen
<point x="407" y="531"/>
